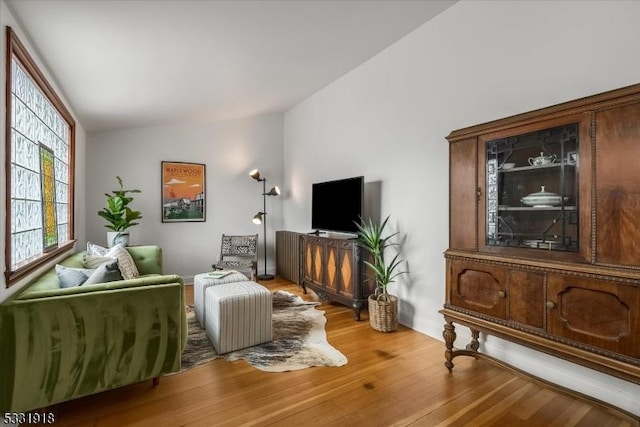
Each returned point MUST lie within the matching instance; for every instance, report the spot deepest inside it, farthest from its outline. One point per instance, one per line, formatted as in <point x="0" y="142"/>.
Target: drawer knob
<point x="551" y="304"/>
<point x="502" y="294"/>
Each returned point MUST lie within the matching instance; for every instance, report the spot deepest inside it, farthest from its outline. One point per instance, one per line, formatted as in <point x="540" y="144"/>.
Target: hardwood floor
<point x="393" y="379"/>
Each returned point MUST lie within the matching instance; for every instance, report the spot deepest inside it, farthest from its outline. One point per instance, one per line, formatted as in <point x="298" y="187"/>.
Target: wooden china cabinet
<point x="544" y="242"/>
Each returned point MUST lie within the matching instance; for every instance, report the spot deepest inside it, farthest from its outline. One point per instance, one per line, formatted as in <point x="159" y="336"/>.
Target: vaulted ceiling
<point x="135" y="63"/>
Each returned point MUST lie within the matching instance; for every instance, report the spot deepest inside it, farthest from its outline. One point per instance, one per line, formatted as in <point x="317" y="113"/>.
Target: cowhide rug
<point x="299" y="340"/>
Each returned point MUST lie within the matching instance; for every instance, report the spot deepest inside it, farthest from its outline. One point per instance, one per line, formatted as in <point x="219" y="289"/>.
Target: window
<point x="40" y="135"/>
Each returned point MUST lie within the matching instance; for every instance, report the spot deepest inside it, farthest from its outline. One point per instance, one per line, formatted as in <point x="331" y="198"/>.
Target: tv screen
<point x="335" y="205"/>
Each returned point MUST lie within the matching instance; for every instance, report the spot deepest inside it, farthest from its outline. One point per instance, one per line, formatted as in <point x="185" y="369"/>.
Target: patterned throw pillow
<point x="95" y="261"/>
<point x="125" y="263"/>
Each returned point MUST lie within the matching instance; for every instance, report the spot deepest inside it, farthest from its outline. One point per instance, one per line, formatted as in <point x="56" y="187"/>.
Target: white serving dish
<point x="542" y="199"/>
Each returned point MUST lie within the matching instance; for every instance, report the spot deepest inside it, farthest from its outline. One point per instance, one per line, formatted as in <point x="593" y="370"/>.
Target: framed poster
<point x="183" y="192"/>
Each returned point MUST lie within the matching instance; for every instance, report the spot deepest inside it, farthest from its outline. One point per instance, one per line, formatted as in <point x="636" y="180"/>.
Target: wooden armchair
<point x="239" y="253"/>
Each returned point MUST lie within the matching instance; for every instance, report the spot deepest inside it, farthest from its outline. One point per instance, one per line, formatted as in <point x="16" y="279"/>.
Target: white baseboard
<point x="614" y="391"/>
<point x="606" y="388"/>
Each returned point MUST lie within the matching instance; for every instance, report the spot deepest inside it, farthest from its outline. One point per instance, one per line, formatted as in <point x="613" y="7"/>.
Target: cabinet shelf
<point x="530" y="168"/>
<point x="553" y="187"/>
<point x="535" y="209"/>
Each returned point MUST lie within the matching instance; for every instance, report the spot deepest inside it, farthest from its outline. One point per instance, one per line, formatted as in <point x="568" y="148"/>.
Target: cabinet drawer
<point x="478" y="287"/>
<point x="499" y="291"/>
<point x="599" y="313"/>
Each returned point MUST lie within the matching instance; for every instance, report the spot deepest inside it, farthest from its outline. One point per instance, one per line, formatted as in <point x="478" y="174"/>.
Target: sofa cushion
<point x="49" y="280"/>
<point x="148" y="259"/>
<point x="70" y="277"/>
<point x="107" y="272"/>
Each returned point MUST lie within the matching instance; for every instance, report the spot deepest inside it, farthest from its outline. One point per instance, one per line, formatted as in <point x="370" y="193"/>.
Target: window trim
<point x="14" y="47"/>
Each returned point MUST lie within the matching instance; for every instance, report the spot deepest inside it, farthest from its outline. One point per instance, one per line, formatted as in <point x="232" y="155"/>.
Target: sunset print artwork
<point x="183" y="192"/>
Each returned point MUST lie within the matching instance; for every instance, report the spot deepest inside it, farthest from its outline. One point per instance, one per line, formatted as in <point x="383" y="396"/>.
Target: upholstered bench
<point x="238" y="315"/>
<point x="200" y="284"/>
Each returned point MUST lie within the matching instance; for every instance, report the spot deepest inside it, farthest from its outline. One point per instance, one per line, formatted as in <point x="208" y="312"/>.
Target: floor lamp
<point x="261" y="217"/>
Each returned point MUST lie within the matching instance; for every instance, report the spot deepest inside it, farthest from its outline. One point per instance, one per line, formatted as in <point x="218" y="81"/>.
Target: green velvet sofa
<point x="58" y="344"/>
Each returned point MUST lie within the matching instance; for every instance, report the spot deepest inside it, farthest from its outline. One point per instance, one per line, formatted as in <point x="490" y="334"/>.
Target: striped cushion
<point x="95" y="261"/>
<point x="238" y="315"/>
<point x="125" y="263"/>
<point x="200" y="284"/>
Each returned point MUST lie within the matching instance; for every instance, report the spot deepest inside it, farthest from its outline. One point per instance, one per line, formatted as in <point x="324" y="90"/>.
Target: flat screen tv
<point x="335" y="205"/>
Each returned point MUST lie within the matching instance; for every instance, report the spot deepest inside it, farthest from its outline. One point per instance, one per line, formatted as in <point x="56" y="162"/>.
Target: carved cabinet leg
<point x="449" y="335"/>
<point x="474" y="344"/>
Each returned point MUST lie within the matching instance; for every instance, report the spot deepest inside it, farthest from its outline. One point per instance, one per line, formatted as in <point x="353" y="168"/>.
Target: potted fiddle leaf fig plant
<point x="383" y="307"/>
<point x="119" y="215"/>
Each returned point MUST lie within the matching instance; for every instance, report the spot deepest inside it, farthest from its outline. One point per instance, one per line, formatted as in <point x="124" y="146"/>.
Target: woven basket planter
<point x="383" y="312"/>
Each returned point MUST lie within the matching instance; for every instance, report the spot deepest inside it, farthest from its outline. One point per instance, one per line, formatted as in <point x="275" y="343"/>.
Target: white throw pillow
<point x="93" y="249"/>
<point x="70" y="277"/>
<point x="107" y="272"/>
<point x="125" y="263"/>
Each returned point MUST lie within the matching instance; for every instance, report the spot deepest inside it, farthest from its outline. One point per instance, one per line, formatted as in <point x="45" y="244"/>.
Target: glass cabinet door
<point x="532" y="190"/>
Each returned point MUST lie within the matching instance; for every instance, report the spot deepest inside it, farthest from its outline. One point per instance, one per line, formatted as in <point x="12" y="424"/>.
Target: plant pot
<point x="117" y="237"/>
<point x="383" y="312"/>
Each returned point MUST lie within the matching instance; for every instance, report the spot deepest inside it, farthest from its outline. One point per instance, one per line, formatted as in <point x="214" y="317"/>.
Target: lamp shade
<point x="257" y="219"/>
<point x="275" y="191"/>
<point x="255" y="174"/>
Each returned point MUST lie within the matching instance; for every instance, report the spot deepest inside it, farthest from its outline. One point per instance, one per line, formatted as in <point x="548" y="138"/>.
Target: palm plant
<point x="370" y="236"/>
<point x="117" y="212"/>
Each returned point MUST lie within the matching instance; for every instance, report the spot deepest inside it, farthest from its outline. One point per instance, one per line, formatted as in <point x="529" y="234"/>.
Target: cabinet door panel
<point x="618" y="185"/>
<point x="478" y="287"/>
<point x="526" y="297"/>
<point x="331" y="279"/>
<point x="313" y="262"/>
<point x="596" y="312"/>
<point x="307" y="272"/>
<point x="463" y="200"/>
<point x="346" y="270"/>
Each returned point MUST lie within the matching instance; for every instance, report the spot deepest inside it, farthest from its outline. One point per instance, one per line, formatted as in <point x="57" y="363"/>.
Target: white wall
<point x="229" y="149"/>
<point x="7" y="19"/>
<point x="388" y="118"/>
